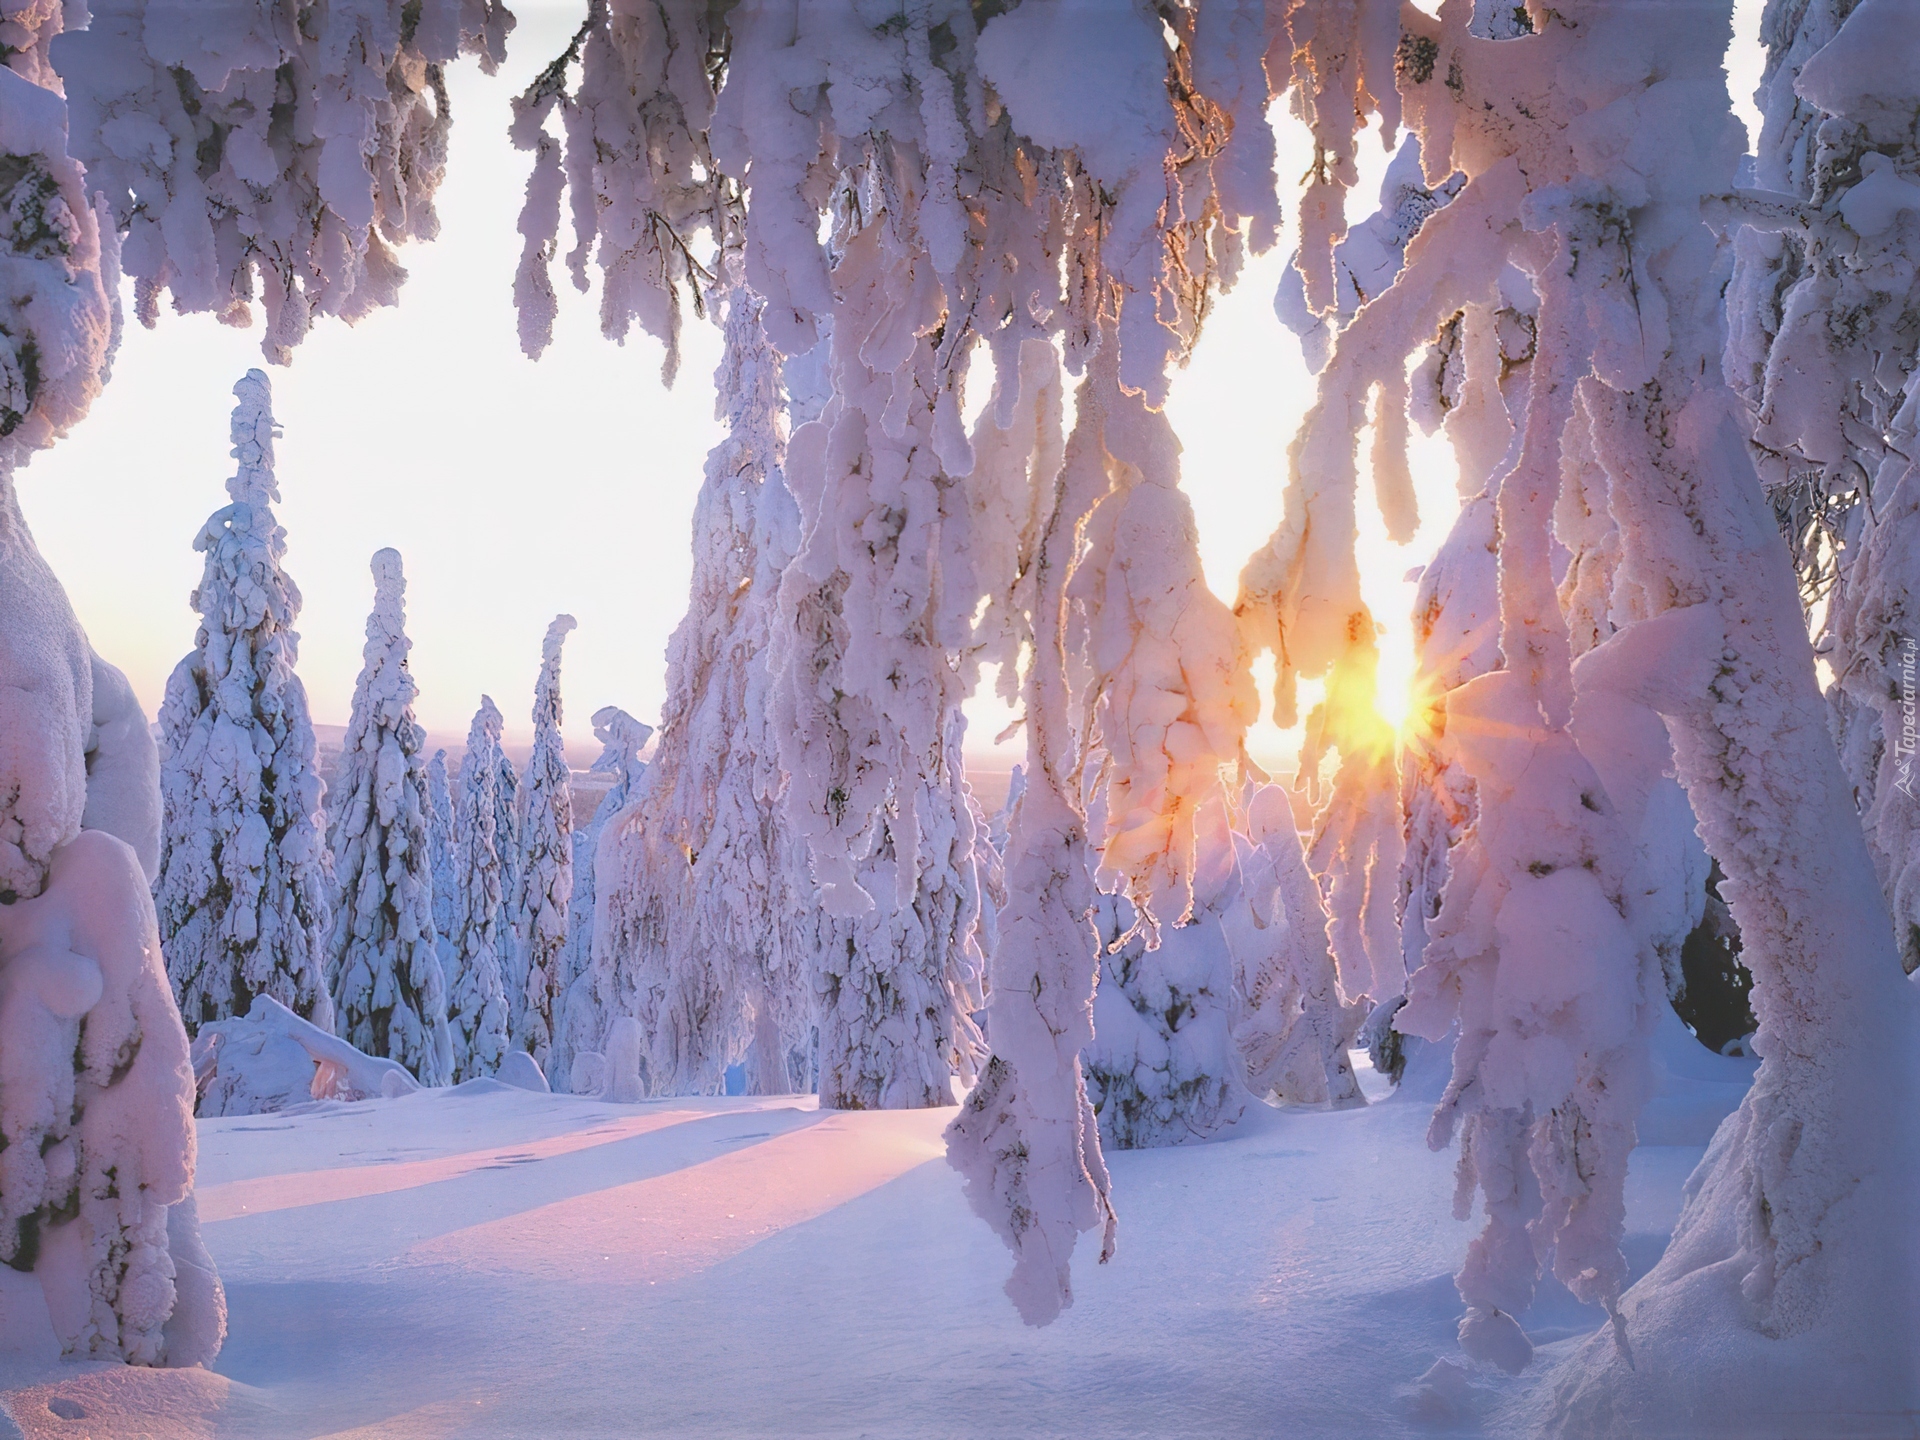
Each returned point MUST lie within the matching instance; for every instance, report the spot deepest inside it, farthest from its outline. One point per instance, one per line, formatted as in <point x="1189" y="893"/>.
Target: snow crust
<point x="430" y="1221"/>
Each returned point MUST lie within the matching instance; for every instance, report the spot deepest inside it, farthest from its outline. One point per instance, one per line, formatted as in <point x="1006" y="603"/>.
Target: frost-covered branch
<point x="269" y="153"/>
<point x="633" y="157"/>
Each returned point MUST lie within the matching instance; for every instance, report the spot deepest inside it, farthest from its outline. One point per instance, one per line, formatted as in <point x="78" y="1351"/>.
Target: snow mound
<point x="272" y="1059"/>
<point x="522" y="1072"/>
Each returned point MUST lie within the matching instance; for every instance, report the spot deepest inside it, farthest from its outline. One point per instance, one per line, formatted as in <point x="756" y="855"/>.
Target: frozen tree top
<point x="254" y="431"/>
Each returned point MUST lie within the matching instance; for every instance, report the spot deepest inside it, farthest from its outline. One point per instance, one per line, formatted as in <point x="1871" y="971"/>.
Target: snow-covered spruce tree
<point x="1160" y="1069"/>
<point x="1824" y="344"/>
<point x="896" y="989"/>
<point x="544" y="879"/>
<point x="477" y="1000"/>
<point x="506" y="841"/>
<point x="868" y="685"/>
<point x="704" y="927"/>
<point x="96" y="1097"/>
<point x="1290" y="1026"/>
<point x="576" y="1016"/>
<point x="244" y="889"/>
<point x="281" y="152"/>
<point x="389" y="995"/>
<point x="441" y="840"/>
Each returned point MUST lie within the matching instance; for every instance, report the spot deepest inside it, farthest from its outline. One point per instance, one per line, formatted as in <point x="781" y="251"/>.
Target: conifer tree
<point x="477" y="1007"/>
<point x="544" y="885"/>
<point x="441" y="839"/>
<point x="242" y="894"/>
<point x="576" y="1019"/>
<point x="388" y="992"/>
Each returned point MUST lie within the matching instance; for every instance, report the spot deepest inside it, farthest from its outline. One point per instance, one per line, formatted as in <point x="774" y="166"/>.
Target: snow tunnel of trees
<point x="1658" y="761"/>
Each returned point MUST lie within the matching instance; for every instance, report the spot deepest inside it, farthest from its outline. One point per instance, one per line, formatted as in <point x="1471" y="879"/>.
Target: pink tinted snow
<point x="676" y="1225"/>
<point x="263" y="1194"/>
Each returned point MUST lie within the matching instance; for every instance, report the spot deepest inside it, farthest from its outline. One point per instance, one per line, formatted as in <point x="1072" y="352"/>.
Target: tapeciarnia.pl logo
<point x="1903" y="748"/>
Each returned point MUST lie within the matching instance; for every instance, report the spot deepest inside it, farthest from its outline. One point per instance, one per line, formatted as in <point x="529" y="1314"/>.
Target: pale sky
<point x="517" y="490"/>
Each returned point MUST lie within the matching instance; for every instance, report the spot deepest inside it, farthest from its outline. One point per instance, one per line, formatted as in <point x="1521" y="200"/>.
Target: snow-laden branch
<point x="633" y="159"/>
<point x="269" y="153"/>
<point x="1026" y="1139"/>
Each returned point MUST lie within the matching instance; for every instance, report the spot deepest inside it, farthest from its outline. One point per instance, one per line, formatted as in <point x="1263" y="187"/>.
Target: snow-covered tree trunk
<point x="96" y="1098"/>
<point x="1824" y="344"/>
<point x="244" y="889"/>
<point x="388" y="991"/>
<point x="1802" y="1194"/>
<point x="1791" y="1218"/>
<point x="477" y="1001"/>
<point x="544" y="878"/>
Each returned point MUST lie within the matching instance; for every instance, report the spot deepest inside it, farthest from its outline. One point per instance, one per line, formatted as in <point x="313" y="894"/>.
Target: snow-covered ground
<point x="484" y="1261"/>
